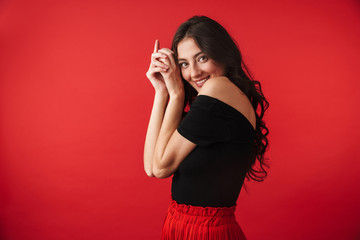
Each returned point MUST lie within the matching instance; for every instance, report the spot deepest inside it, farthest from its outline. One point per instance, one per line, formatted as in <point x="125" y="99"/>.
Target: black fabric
<point x="214" y="172"/>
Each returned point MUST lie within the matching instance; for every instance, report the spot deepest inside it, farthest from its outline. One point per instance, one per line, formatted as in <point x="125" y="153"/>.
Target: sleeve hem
<point x="188" y="136"/>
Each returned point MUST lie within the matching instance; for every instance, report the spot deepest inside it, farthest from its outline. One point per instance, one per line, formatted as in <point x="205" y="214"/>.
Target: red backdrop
<point x="74" y="106"/>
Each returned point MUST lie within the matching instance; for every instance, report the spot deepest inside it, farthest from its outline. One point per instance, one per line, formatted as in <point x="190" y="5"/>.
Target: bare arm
<point x="163" y="165"/>
<point x="165" y="148"/>
<point x="171" y="148"/>
<point x="156" y="119"/>
<point x="159" y="106"/>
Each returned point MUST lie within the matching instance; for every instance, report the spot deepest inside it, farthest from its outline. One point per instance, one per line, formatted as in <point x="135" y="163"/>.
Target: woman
<point x="214" y="146"/>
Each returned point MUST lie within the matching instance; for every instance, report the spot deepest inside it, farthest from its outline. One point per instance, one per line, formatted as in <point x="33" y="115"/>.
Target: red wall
<point x="74" y="106"/>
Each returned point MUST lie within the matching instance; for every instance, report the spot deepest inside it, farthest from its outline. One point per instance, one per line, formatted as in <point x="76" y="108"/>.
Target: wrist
<point x="177" y="89"/>
<point x="177" y="95"/>
<point x="162" y="92"/>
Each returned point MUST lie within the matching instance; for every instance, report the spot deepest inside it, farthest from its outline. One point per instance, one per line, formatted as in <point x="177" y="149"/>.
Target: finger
<point x="158" y="55"/>
<point x="157" y="69"/>
<point x="157" y="63"/>
<point x="168" y="53"/>
<point x="166" y="61"/>
<point x="167" y="49"/>
<point x="156" y="47"/>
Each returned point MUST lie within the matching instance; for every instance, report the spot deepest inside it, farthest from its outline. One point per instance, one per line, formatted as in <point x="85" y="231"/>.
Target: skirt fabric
<point x="186" y="222"/>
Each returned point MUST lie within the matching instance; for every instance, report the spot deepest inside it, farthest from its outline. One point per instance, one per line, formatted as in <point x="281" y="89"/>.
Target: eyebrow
<point x="195" y="56"/>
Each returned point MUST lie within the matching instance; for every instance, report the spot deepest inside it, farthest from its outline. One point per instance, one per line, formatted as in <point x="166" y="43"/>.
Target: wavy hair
<point x="218" y="45"/>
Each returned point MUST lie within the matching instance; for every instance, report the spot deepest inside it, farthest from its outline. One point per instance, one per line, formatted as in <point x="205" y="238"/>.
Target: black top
<point x="214" y="172"/>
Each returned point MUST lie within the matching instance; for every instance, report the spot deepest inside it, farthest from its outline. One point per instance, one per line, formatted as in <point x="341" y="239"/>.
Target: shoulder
<point x="221" y="88"/>
<point x="215" y="87"/>
<point x="226" y="91"/>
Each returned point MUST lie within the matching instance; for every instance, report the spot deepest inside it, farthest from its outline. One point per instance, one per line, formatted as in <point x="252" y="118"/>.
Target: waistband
<point x="202" y="211"/>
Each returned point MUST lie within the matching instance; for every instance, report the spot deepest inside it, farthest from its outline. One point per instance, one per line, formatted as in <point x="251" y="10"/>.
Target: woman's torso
<point x="222" y="126"/>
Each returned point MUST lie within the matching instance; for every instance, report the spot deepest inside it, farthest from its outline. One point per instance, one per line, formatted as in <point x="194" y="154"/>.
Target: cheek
<point x="214" y="68"/>
<point x="208" y="68"/>
<point x="185" y="74"/>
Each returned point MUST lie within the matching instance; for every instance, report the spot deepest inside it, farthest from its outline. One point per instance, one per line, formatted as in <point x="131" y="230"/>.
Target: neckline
<point x="230" y="107"/>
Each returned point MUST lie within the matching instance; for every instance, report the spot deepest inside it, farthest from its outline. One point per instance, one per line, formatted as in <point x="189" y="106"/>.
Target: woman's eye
<point x="202" y="59"/>
<point x="183" y="64"/>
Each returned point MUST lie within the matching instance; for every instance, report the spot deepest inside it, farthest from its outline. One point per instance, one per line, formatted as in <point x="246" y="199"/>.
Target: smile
<point x="201" y="82"/>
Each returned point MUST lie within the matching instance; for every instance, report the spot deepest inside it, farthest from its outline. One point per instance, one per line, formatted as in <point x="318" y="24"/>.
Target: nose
<point x="195" y="71"/>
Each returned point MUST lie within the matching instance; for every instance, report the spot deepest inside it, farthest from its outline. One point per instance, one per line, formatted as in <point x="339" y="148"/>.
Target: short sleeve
<point x="204" y="126"/>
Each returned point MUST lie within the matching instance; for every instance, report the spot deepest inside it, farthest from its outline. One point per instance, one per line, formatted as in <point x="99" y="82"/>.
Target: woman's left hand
<point x="172" y="76"/>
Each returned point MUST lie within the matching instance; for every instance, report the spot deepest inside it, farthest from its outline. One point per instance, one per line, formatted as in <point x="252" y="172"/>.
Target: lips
<point x="200" y="83"/>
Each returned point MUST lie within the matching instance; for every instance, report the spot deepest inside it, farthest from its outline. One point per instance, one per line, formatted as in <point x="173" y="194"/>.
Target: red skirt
<point x="186" y="222"/>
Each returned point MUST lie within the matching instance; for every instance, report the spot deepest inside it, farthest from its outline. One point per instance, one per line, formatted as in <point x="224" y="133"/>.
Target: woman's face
<point x="196" y="68"/>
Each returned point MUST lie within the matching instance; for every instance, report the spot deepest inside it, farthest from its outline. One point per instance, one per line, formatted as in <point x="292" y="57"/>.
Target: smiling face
<point x="196" y="67"/>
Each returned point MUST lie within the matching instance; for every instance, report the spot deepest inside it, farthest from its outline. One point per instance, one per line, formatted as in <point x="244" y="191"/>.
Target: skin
<point x="195" y="65"/>
<point x="165" y="148"/>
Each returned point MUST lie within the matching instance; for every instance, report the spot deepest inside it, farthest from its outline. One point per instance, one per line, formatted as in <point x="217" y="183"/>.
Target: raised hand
<point x="171" y="76"/>
<point x="157" y="67"/>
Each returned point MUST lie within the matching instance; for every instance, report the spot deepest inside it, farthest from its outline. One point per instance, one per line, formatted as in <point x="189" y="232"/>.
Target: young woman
<point x="211" y="148"/>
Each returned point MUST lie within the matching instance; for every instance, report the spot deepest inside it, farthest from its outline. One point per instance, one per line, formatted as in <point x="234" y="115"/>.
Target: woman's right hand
<point x="155" y="69"/>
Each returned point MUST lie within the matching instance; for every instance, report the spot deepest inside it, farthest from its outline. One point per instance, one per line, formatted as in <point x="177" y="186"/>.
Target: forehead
<point x="187" y="48"/>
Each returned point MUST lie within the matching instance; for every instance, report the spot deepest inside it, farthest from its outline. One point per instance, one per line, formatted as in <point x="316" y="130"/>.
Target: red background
<point x="74" y="106"/>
